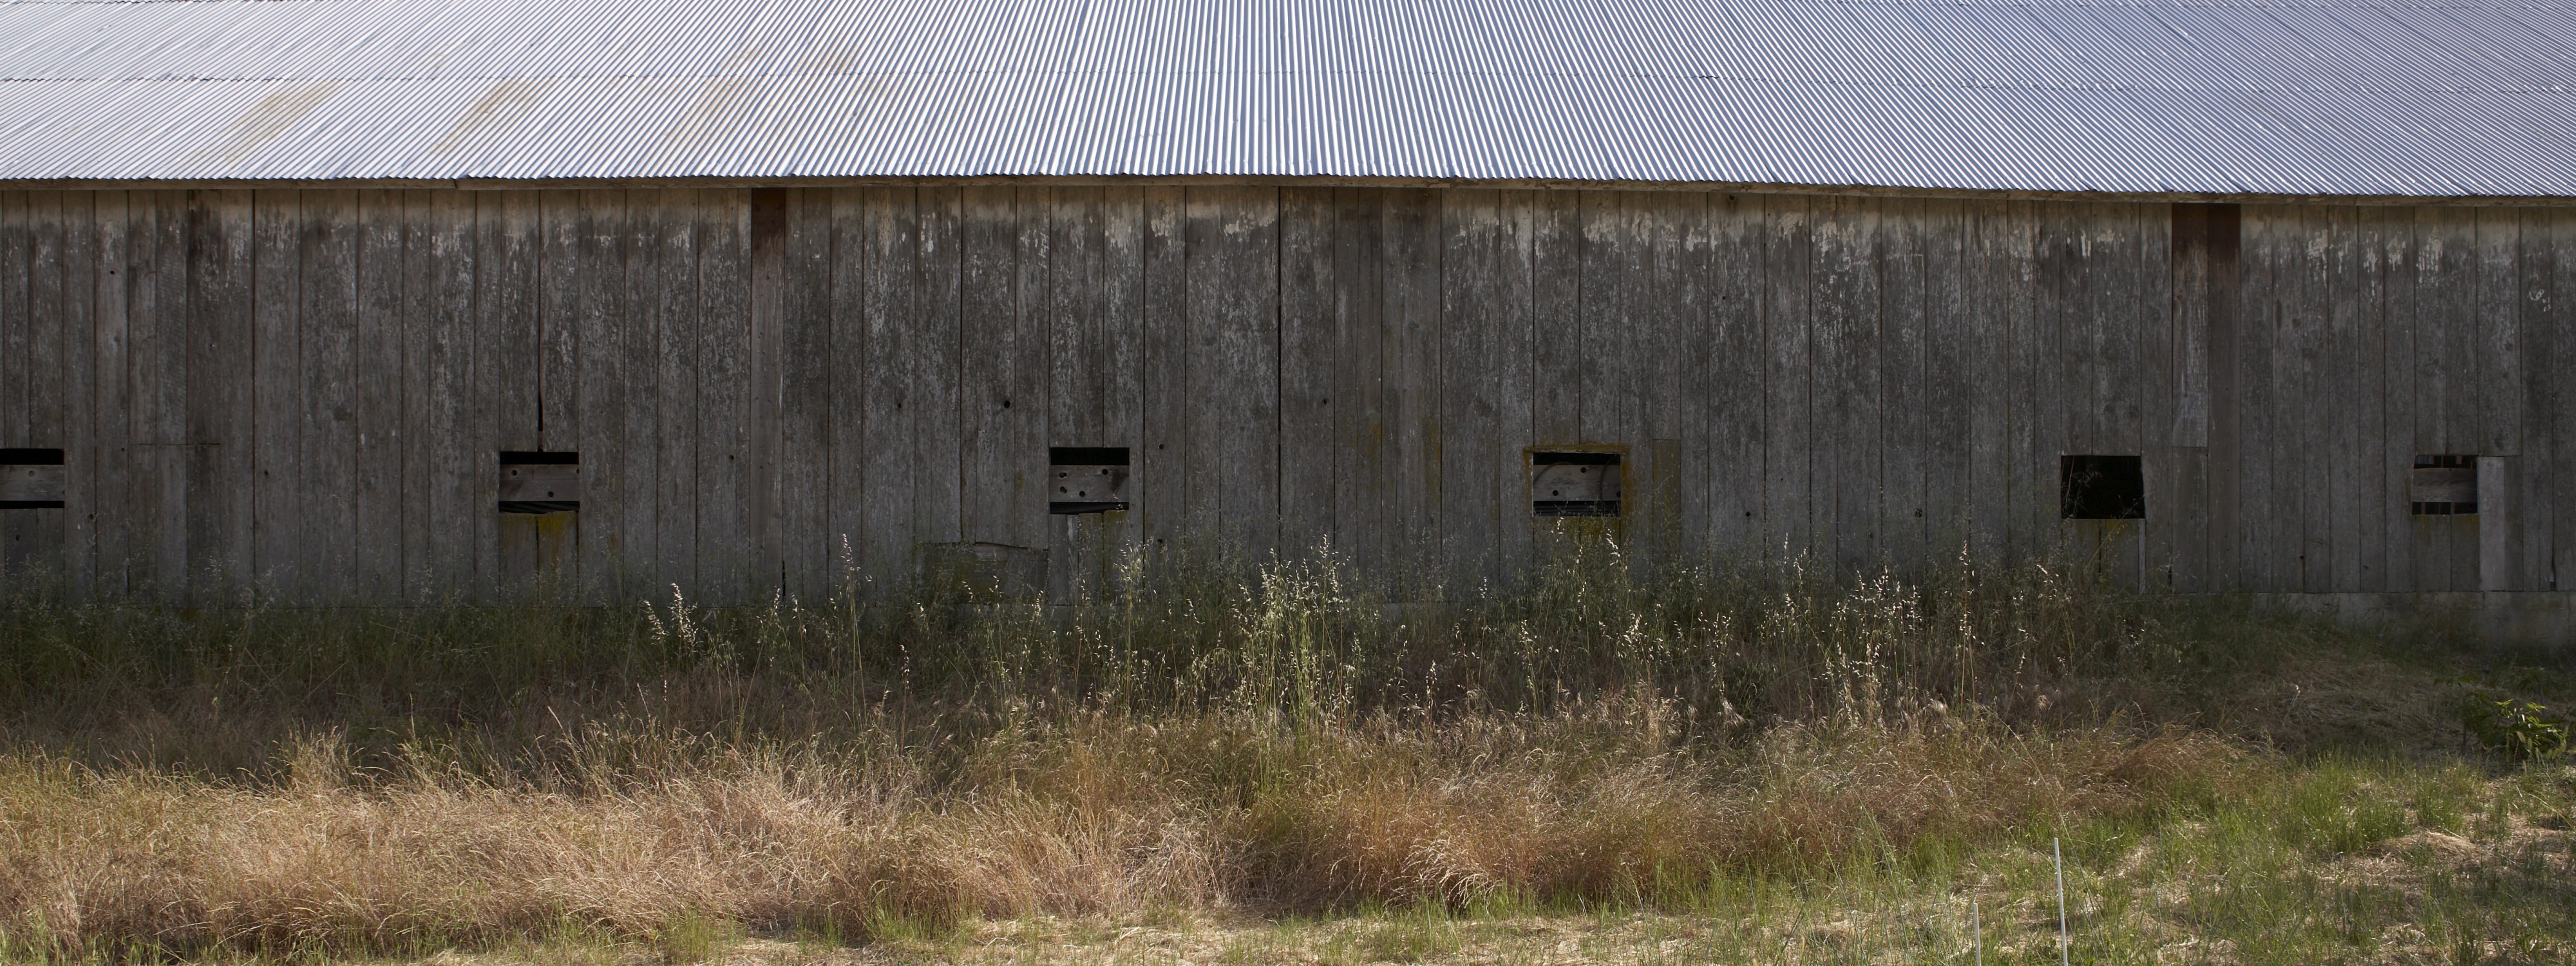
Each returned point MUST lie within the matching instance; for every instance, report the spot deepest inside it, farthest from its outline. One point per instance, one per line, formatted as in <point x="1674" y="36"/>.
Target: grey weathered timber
<point x="309" y="388"/>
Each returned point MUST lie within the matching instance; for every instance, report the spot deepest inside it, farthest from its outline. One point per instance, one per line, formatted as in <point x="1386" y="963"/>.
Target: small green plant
<point x="2518" y="730"/>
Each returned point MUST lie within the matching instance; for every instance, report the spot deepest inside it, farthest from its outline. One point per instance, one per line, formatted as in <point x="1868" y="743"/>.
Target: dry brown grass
<point x="1100" y="817"/>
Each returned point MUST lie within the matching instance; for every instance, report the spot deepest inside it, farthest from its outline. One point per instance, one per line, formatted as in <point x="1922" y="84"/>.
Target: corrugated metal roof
<point x="2430" y="99"/>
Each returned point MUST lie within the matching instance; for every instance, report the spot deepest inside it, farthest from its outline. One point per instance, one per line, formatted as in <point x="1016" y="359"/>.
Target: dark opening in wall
<point x="2444" y="485"/>
<point x="540" y="482"/>
<point x="1086" y="479"/>
<point x="31" y="479"/>
<point x="2105" y="487"/>
<point x="1574" y="483"/>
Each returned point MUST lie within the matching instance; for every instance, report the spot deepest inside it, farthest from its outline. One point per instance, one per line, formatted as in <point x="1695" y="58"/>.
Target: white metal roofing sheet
<point x="2441" y="98"/>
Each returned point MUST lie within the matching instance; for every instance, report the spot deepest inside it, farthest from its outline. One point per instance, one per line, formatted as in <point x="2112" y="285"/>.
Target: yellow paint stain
<point x="505" y="101"/>
<point x="270" y="118"/>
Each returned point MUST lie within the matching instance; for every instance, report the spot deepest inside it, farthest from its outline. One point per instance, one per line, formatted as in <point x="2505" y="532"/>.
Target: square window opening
<point x="31" y="478"/>
<point x="2101" y="487"/>
<point x="2443" y="485"/>
<point x="1086" y="479"/>
<point x="536" y="481"/>
<point x="1574" y="483"/>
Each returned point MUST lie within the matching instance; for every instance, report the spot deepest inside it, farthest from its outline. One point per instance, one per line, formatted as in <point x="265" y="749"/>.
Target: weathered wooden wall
<point x="309" y="387"/>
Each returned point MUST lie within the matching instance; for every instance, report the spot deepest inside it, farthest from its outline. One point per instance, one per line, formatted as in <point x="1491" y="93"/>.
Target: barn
<point x="376" y="300"/>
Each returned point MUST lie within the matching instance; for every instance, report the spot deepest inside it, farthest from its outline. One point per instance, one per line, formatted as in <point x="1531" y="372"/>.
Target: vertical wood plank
<point x="2306" y="315"/>
<point x="329" y="246"/>
<point x="730" y="535"/>
<point x="1845" y="379"/>
<point x="870" y="469"/>
<point x="2222" y="555"/>
<point x="2350" y="465"/>
<point x="277" y="398"/>
<point x="935" y="351"/>
<point x="1067" y="284"/>
<point x="2059" y="420"/>
<point x="2559" y="312"/>
<point x="1360" y="417"/>
<point x="1160" y="482"/>
<point x="875" y="316"/>
<point x="1234" y="292"/>
<point x="2543" y="456"/>
<point x="438" y="283"/>
<point x="81" y="275"/>
<point x="509" y="377"/>
<point x="672" y="336"/>
<point x="2446" y="349"/>
<point x="618" y="482"/>
<point x="1787" y="436"/>
<point x="1409" y="301"/>
<point x="554" y="550"/>
<point x="38" y="536"/>
<point x="17" y="253"/>
<point x="1675" y="410"/>
<point x="1737" y="378"/>
<point x="1473" y="273"/>
<point x="764" y="293"/>
<point x="804" y="412"/>
<point x="219" y="400"/>
<point x="1004" y="294"/>
<point x="2397" y="269"/>
<point x="158" y="320"/>
<point x="2500" y="393"/>
<point x="1309" y="326"/>
<point x="1907" y="432"/>
<point x="1121" y="300"/>
<point x="111" y="441"/>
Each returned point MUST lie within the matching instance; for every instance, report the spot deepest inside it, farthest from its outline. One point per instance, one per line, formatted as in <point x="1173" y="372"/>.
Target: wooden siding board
<point x="1846" y="404"/>
<point x="1673" y="407"/>
<point x="1026" y="440"/>
<point x="730" y="533"/>
<point x="1308" y="344"/>
<point x="1472" y="259"/>
<point x="80" y="392"/>
<point x="159" y="320"/>
<point x="1161" y="484"/>
<point x="509" y="368"/>
<point x="1948" y="380"/>
<point x="2368" y="266"/>
<point x="1736" y="378"/>
<point x="1788" y="440"/>
<point x="2397" y="281"/>
<point x="990" y="377"/>
<point x="17" y="253"/>
<point x="437" y="312"/>
<point x="615" y="488"/>
<point x="1409" y="302"/>
<point x="111" y="441"/>
<point x="2305" y="319"/>
<point x="218" y="313"/>
<point x="934" y="351"/>
<point x="806" y="414"/>
<point x="1360" y="420"/>
<point x="39" y="535"/>
<point x="1986" y="318"/>
<point x="2500" y="392"/>
<point x="1075" y="369"/>
<point x="2347" y="459"/>
<point x="1906" y="432"/>
<point x="327" y="241"/>
<point x="875" y="470"/>
<point x="2562" y="362"/>
<point x="1235" y="289"/>
<point x="672" y="338"/>
<point x="1121" y="300"/>
<point x="277" y="399"/>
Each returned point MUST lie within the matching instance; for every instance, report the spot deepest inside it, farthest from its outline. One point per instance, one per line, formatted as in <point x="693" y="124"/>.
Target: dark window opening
<point x="31" y="478"/>
<point x="540" y="482"/>
<point x="1086" y="479"/>
<point x="2106" y="487"/>
<point x="2443" y="485"/>
<point x="1574" y="483"/>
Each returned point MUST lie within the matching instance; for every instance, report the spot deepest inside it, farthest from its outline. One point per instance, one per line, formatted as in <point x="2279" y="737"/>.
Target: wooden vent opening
<point x="1574" y="483"/>
<point x="2443" y="485"/>
<point x="540" y="482"/>
<point x="2101" y="487"/>
<point x="1086" y="479"/>
<point x="31" y="479"/>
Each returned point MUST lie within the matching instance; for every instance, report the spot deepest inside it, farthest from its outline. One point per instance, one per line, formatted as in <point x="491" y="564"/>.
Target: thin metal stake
<point x="2060" y="855"/>
<point x="1977" y="931"/>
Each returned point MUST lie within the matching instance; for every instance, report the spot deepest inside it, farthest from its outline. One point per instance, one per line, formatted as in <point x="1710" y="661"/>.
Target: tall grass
<point x="212" y="689"/>
<point x="1206" y="735"/>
